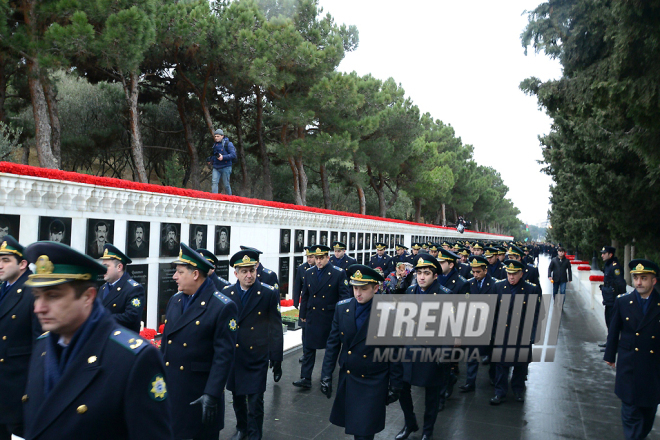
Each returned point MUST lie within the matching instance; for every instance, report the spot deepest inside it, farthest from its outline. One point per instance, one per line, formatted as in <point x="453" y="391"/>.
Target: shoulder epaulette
<point x="133" y="282"/>
<point x="268" y="286"/>
<point x="43" y="335"/>
<point x="499" y="281"/>
<point x="623" y="294"/>
<point x="445" y="290"/>
<point x="338" y="268"/>
<point x="344" y="301"/>
<point x="614" y="264"/>
<point x="268" y="271"/>
<point x="221" y="297"/>
<point x="470" y="279"/>
<point x="529" y="282"/>
<point x="462" y="278"/>
<point x="129" y="340"/>
<point x="310" y="268"/>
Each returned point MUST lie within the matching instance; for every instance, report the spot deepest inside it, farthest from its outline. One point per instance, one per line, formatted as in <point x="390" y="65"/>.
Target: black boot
<point x="303" y="383"/>
<point x="406" y="431"/>
<point x="240" y="435"/>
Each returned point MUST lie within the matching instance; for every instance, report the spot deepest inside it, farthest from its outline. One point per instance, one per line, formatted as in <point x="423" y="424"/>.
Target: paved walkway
<point x="571" y="398"/>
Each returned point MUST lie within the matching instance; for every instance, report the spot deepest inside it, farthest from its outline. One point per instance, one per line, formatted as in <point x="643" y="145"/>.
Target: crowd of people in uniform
<point x="72" y="364"/>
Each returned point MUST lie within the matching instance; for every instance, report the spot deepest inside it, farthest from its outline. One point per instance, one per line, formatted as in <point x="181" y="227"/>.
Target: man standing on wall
<point x="221" y="161"/>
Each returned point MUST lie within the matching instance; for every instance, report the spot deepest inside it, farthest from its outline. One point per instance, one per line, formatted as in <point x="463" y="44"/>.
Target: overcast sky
<point x="462" y="62"/>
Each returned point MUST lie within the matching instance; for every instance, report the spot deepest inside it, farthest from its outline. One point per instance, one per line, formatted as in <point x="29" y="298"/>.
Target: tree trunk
<point x="241" y="150"/>
<point x="418" y="209"/>
<point x="131" y="92"/>
<point x="263" y="153"/>
<point x="325" y="186"/>
<point x="444" y="215"/>
<point x="301" y="169"/>
<point x="192" y="151"/>
<point x="378" y="188"/>
<point x="296" y="180"/>
<point x="42" y="126"/>
<point x="54" y="117"/>
<point x="3" y="87"/>
<point x="362" y="200"/>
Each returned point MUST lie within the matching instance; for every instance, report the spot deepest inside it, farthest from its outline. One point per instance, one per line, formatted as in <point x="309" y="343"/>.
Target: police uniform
<point x="198" y="344"/>
<point x="404" y="257"/>
<point x="219" y="282"/>
<point x="613" y="283"/>
<point x="453" y="281"/>
<point x="259" y="340"/>
<point x="124" y="298"/>
<point x="322" y="290"/>
<point x="365" y="387"/>
<point x="385" y="262"/>
<point x="634" y="338"/>
<point x="345" y="261"/>
<point x="107" y="383"/>
<point x="530" y="272"/>
<point x="496" y="271"/>
<point x="20" y="327"/>
<point x="521" y="349"/>
<point x="430" y="375"/>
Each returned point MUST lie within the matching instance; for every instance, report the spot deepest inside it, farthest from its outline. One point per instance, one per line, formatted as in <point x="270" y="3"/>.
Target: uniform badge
<point x="346" y="282"/>
<point x="617" y="272"/>
<point x="276" y="287"/>
<point x="232" y="325"/>
<point x="278" y="307"/>
<point x="158" y="390"/>
<point x="135" y="302"/>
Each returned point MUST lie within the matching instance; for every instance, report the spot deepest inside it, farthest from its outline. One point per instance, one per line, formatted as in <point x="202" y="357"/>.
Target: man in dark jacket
<point x="221" y="161"/>
<point x="259" y="340"/>
<point x="613" y="282"/>
<point x="365" y="386"/>
<point x="121" y="294"/>
<point x="340" y="259"/>
<point x="298" y="283"/>
<point x="219" y="282"/>
<point x="20" y="327"/>
<point x="559" y="272"/>
<point x="632" y="337"/>
<point x="198" y="344"/>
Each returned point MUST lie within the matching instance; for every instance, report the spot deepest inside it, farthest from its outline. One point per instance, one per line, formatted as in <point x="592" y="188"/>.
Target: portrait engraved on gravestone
<point x="222" y="240"/>
<point x="170" y="234"/>
<point x="10" y="225"/>
<point x="137" y="239"/>
<point x="299" y="245"/>
<point x="55" y="229"/>
<point x="197" y="236"/>
<point x="285" y="241"/>
<point x="99" y="232"/>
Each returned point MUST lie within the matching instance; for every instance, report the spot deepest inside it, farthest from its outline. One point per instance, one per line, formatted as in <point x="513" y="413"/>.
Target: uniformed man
<point x="434" y="249"/>
<point x="365" y="387"/>
<point x="20" y="327"/>
<point x="264" y="275"/>
<point x="89" y="378"/>
<point x="495" y="266"/>
<point x="401" y="254"/>
<point x="613" y="282"/>
<point x="198" y="344"/>
<point x="259" y="341"/>
<point x="634" y="336"/>
<point x="477" y="249"/>
<point x="481" y="284"/>
<point x="430" y="375"/>
<point x="528" y="258"/>
<point x="121" y="294"/>
<point x="381" y="259"/>
<point x="298" y="283"/>
<point x="513" y="286"/>
<point x="463" y="267"/>
<point x="325" y="285"/>
<point x="340" y="259"/>
<point x="445" y="245"/>
<point x="219" y="282"/>
<point x="414" y="250"/>
<point x="425" y="247"/>
<point x="501" y="254"/>
<point x="530" y="272"/>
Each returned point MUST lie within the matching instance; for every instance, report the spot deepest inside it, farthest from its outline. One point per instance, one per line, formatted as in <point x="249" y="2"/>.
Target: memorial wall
<point x="148" y="222"/>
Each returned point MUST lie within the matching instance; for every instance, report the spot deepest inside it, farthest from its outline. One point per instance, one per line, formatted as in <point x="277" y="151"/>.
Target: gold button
<point x="181" y="368"/>
<point x="196" y="322"/>
<point x="630" y="302"/>
<point x="346" y="310"/>
<point x="258" y="292"/>
<point x="349" y="351"/>
<point x="627" y="319"/>
<point x="82" y="409"/>
<point x="114" y="305"/>
<point x="313" y="308"/>
<point x="167" y="364"/>
<point x="4" y="338"/>
<point x="203" y="303"/>
<point x="236" y="345"/>
<point x="342" y="333"/>
<point x="348" y="371"/>
<point x="169" y="342"/>
<point x="1" y="361"/>
<point x="323" y="296"/>
<point x="636" y="334"/>
<point x="363" y="375"/>
<point x="165" y="322"/>
<point x="91" y="359"/>
<point x="364" y="356"/>
<point x="24" y="398"/>
<point x="250" y="347"/>
<point x="329" y="285"/>
<point x="185" y="345"/>
<point x="251" y="328"/>
<point x="637" y="349"/>
<point x="258" y="313"/>
<point x="43" y="354"/>
<point x="19" y="290"/>
<point x="651" y="351"/>
<point x="652" y="337"/>
<point x="314" y="296"/>
<point x="13" y="316"/>
<point x="117" y="333"/>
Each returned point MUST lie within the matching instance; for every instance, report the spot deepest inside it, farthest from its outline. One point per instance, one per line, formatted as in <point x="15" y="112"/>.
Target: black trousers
<point x="249" y="410"/>
<point x="637" y="420"/>
<point x="7" y="430"/>
<point x="307" y="367"/>
<point x="431" y="406"/>
<point x="608" y="315"/>
<point x="518" y="378"/>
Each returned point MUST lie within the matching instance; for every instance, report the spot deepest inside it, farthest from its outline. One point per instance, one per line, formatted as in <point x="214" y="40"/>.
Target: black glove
<point x="393" y="395"/>
<point x="326" y="386"/>
<point x="277" y="370"/>
<point x="209" y="408"/>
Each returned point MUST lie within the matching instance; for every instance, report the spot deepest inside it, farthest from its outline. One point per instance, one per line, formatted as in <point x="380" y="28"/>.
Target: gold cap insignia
<point x="44" y="265"/>
<point x="357" y="275"/>
<point x="640" y="266"/>
<point x="105" y="252"/>
<point x="246" y="259"/>
<point x="318" y="250"/>
<point x="4" y="246"/>
<point x="603" y="249"/>
<point x="511" y="266"/>
<point x="420" y="261"/>
<point x="180" y="253"/>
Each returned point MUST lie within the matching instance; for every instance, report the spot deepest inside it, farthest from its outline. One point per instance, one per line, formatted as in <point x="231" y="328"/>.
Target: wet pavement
<point x="571" y="398"/>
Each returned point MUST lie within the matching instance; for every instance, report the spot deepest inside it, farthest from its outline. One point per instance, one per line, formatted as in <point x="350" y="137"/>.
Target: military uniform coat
<point x="525" y="289"/>
<point x="635" y="338"/>
<point x="259" y="337"/>
<point x="318" y="301"/>
<point x="344" y="262"/>
<point x="496" y="271"/>
<point x="487" y="288"/>
<point x="21" y="328"/>
<point x="456" y="283"/>
<point x="298" y="282"/>
<point x="386" y="263"/>
<point x="613" y="282"/>
<point x="267" y="276"/>
<point x="125" y="301"/>
<point x="363" y="384"/>
<point x="114" y="388"/>
<point x="425" y="374"/>
<point x="464" y="270"/>
<point x="218" y="282"/>
<point x="198" y="348"/>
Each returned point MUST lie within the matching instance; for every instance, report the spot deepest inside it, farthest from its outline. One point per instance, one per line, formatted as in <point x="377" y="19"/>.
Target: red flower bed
<point x="597" y="278"/>
<point x="579" y="262"/>
<point x="286" y="302"/>
<point x="584" y="268"/>
<point x="570" y="257"/>
<point x="26" y="170"/>
<point x="148" y="333"/>
<point x="161" y="328"/>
